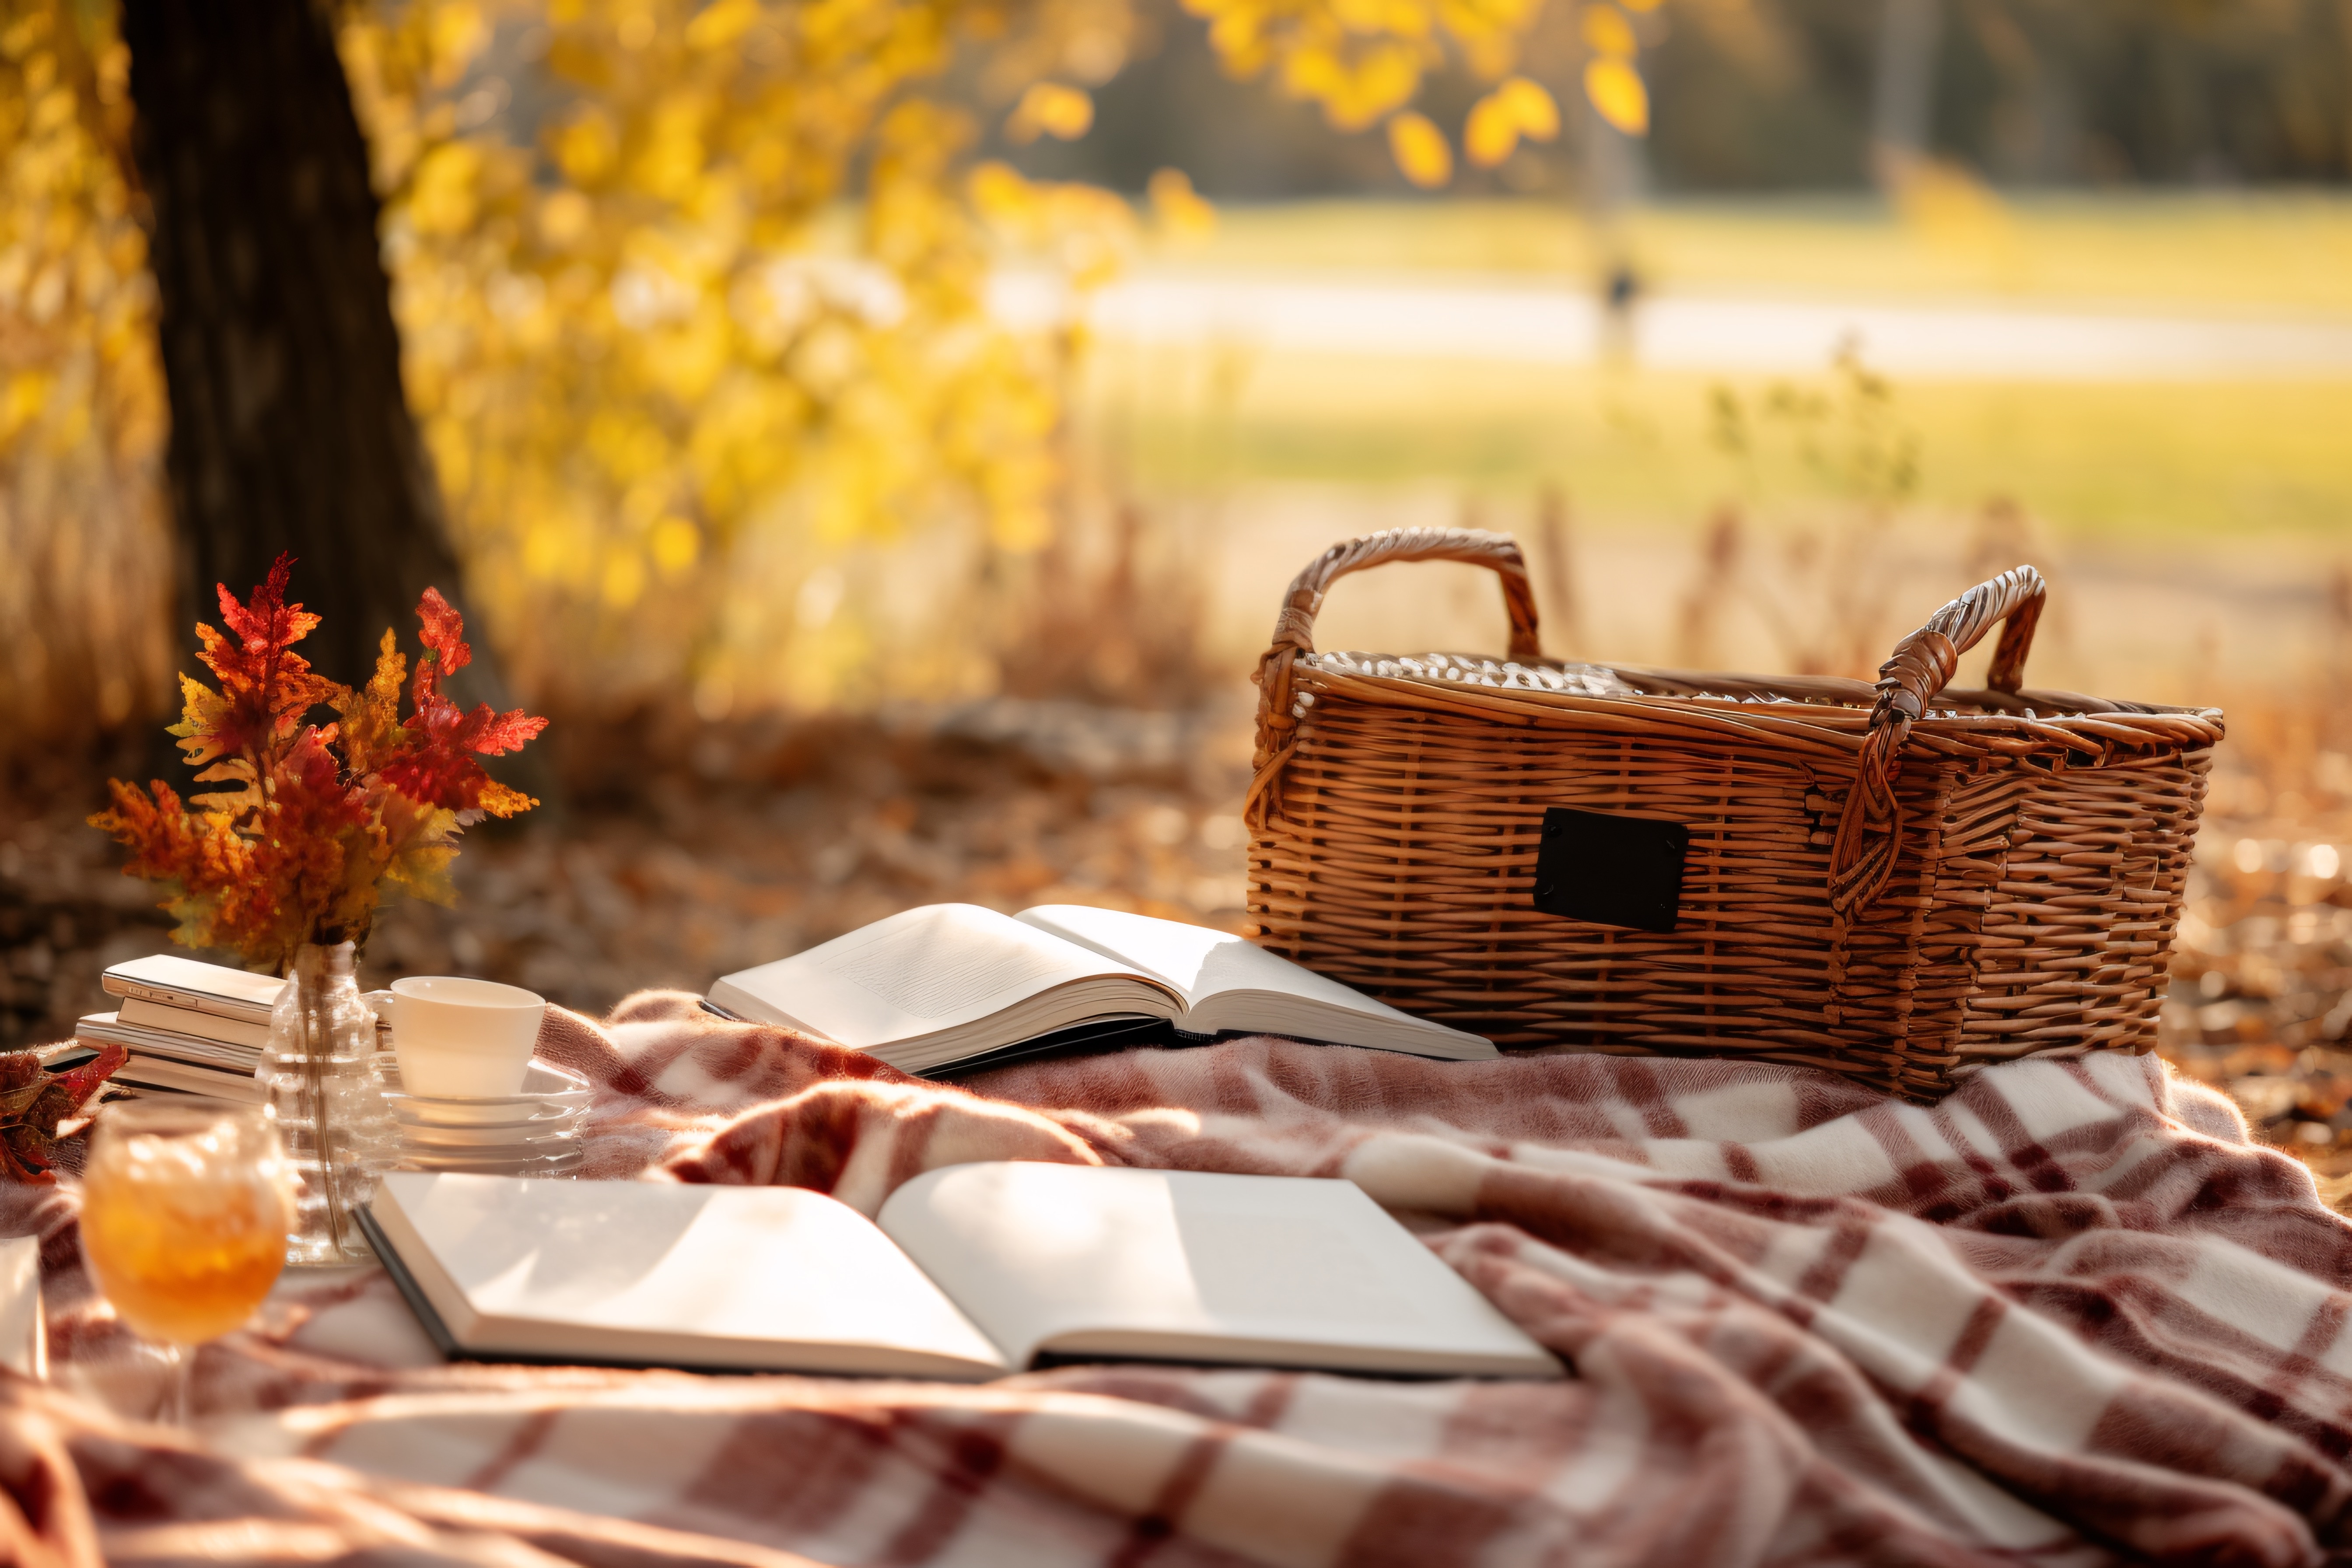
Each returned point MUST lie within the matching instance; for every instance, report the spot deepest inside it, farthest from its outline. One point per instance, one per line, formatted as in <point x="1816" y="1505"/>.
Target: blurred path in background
<point x="1503" y="317"/>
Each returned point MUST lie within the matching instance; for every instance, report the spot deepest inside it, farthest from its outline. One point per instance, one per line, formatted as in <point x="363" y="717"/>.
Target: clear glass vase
<point x="325" y="1087"/>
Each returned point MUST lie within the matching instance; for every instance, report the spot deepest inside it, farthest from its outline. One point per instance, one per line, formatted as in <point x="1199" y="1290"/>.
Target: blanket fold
<point x="2069" y="1315"/>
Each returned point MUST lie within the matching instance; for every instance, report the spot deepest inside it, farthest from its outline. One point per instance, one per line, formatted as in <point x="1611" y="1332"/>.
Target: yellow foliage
<point x="84" y="558"/>
<point x="674" y="544"/>
<point x="1420" y="150"/>
<point x="1361" y="60"/>
<point x="1616" y="91"/>
<point x="1090" y="231"/>
<point x="441" y="196"/>
<point x="709" y="310"/>
<point x="1050" y="108"/>
<point x="1182" y="216"/>
<point x="647" y="338"/>
<point x="1607" y="33"/>
<point x="1518" y="107"/>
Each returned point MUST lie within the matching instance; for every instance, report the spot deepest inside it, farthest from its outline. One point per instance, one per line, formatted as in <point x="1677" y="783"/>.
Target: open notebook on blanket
<point x="951" y="986"/>
<point x="969" y="1272"/>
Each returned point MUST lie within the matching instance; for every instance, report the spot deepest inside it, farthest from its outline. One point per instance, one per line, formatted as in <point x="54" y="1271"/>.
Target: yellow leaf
<point x="1052" y="108"/>
<point x="624" y="579"/>
<point x="1386" y="79"/>
<point x="1420" y="151"/>
<point x="585" y="148"/>
<point x="1180" y="209"/>
<point x="1532" y="109"/>
<point x="1491" y="134"/>
<point x="675" y="544"/>
<point x="1000" y="195"/>
<point x="1518" y="107"/>
<point x="459" y="34"/>
<point x="1607" y="33"/>
<point x="721" y="24"/>
<point x="442" y="201"/>
<point x="564" y="218"/>
<point x="1616" y="91"/>
<point x="28" y="393"/>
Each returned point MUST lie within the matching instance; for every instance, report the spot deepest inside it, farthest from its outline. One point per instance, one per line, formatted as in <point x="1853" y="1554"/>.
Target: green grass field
<point x="2269" y="252"/>
<point x="2182" y="460"/>
<point x="2172" y="459"/>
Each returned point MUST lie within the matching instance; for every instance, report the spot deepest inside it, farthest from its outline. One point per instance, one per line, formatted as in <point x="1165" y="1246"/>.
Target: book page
<point x="917" y="972"/>
<point x="699" y="1276"/>
<point x="1189" y="1265"/>
<point x="1258" y="990"/>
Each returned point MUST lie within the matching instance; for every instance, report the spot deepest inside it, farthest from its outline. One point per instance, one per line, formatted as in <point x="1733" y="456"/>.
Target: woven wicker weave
<point x="1899" y="882"/>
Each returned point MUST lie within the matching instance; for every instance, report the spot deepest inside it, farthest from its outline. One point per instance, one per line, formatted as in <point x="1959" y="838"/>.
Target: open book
<point x="969" y="1272"/>
<point x="946" y="985"/>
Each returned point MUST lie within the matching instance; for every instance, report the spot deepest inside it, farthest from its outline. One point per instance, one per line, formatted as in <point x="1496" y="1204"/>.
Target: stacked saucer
<point x="534" y="1133"/>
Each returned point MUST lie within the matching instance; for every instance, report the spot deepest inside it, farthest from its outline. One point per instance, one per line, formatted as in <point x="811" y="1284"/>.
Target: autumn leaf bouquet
<point x="313" y="821"/>
<point x="287" y="861"/>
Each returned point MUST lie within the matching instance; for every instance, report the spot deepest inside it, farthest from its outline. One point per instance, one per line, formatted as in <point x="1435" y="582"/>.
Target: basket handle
<point x="1294" y="630"/>
<point x="1870" y="830"/>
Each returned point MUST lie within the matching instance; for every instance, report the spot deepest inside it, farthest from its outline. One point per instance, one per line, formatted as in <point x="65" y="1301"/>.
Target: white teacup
<point x="459" y="1038"/>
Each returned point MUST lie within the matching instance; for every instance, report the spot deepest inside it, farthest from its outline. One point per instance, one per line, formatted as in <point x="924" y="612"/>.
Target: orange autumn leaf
<point x="265" y="685"/>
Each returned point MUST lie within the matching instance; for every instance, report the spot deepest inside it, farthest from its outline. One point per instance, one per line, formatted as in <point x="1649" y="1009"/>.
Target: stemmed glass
<point x="185" y="1206"/>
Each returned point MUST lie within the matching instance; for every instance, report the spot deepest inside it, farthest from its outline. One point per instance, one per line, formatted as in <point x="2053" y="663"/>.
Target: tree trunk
<point x="1903" y="91"/>
<point x="289" y="431"/>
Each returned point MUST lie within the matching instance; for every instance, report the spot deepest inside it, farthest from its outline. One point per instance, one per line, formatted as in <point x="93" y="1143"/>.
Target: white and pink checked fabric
<point x="2068" y="1316"/>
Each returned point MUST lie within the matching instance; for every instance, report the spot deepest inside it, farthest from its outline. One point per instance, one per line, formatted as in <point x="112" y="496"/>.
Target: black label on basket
<point x="1610" y="871"/>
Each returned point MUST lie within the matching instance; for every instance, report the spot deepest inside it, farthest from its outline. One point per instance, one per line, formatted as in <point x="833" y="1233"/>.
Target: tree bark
<point x="1903" y="89"/>
<point x="290" y="430"/>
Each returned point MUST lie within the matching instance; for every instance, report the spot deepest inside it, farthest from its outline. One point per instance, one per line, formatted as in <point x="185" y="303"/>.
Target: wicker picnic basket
<point x="1900" y="883"/>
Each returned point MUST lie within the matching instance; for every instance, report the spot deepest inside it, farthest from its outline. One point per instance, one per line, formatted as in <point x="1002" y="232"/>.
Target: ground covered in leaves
<point x="673" y="859"/>
<point x="678" y="856"/>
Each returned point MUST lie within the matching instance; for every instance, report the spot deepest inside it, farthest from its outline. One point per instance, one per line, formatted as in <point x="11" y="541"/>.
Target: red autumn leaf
<point x="79" y="1083"/>
<point x="37" y="1100"/>
<point x="442" y="630"/>
<point x="438" y="767"/>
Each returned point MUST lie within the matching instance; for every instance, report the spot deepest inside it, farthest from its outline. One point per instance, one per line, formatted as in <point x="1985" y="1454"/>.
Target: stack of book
<point x="190" y="1028"/>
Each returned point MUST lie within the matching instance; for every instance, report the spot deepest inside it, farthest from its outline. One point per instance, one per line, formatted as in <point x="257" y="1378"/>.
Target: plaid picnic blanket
<point x="2068" y="1316"/>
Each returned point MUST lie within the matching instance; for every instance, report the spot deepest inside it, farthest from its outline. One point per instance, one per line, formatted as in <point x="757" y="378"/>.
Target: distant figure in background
<point x="1621" y="291"/>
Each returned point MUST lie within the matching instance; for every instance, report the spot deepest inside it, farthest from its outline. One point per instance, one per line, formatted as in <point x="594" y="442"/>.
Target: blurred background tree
<point x="649" y="348"/>
<point x="692" y="297"/>
<point x="290" y="430"/>
<point x="84" y="547"/>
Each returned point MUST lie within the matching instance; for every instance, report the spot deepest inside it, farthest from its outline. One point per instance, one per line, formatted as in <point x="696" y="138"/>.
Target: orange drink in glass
<point x="185" y="1206"/>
